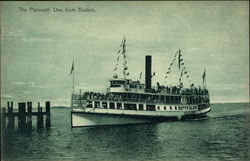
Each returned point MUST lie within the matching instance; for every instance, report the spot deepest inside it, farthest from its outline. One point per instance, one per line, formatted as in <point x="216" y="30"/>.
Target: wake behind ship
<point x="127" y="101"/>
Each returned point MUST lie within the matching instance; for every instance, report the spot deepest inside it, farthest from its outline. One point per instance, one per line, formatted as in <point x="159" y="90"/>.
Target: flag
<point x="118" y="58"/>
<point x="140" y="75"/>
<point x="168" y="72"/>
<point x="127" y="73"/>
<point x="115" y="68"/>
<point x="166" y="76"/>
<point x="72" y="68"/>
<point x="125" y="68"/>
<point x="118" y="51"/>
<point x="204" y="76"/>
<point x="179" y="58"/>
<point x="153" y="74"/>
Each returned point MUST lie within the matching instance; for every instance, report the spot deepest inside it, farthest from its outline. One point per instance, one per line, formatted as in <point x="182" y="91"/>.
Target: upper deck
<point x="182" y="96"/>
<point x="135" y="87"/>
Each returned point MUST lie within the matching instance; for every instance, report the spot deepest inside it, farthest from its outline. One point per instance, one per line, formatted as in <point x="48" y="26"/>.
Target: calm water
<point x="224" y="135"/>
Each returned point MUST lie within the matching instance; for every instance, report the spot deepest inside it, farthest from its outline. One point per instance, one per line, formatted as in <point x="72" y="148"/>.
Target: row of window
<point x="178" y="108"/>
<point x="128" y="106"/>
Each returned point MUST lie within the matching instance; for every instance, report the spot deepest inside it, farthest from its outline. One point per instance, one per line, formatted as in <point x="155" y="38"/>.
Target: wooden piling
<point x="39" y="117"/>
<point x="29" y="115"/>
<point x="22" y="115"/>
<point x="3" y="119"/>
<point x="48" y="120"/>
<point x="11" y="118"/>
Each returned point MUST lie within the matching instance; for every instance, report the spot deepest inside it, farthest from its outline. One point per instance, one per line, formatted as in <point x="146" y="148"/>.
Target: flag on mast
<point x="179" y="59"/>
<point x="72" y="68"/>
<point x="140" y="75"/>
<point x="204" y="76"/>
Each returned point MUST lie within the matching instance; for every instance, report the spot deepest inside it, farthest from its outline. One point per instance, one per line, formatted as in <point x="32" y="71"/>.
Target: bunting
<point x="169" y="68"/>
<point x="122" y="50"/>
<point x="181" y="66"/>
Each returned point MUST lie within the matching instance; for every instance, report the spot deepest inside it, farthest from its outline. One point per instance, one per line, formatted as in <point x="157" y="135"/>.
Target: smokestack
<point x="148" y="72"/>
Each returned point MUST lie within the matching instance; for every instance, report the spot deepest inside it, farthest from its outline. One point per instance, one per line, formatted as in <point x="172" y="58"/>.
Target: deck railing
<point x="159" y="101"/>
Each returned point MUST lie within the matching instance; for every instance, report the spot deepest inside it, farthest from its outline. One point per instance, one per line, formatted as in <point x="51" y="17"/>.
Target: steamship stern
<point x="128" y="102"/>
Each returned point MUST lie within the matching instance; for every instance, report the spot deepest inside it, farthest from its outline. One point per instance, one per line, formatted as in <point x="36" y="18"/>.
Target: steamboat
<point x="128" y="102"/>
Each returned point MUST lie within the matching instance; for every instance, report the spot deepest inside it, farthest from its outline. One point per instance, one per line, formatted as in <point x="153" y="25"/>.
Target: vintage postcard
<point x="124" y="80"/>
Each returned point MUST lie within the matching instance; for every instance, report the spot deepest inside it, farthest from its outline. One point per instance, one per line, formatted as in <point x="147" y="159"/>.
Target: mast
<point x="125" y="68"/>
<point x="72" y="71"/>
<point x="122" y="51"/>
<point x="72" y="96"/>
<point x="204" y="82"/>
<point x="73" y="81"/>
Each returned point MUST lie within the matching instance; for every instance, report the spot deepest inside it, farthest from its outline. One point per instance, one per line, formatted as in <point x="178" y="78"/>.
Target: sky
<point x="38" y="48"/>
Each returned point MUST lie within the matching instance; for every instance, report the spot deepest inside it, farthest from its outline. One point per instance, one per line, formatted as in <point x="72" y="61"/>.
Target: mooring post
<point x="21" y="115"/>
<point x="48" y="121"/>
<point x="29" y="115"/>
<point x="3" y="119"/>
<point x="11" y="118"/>
<point x="39" y="116"/>
<point x="38" y="122"/>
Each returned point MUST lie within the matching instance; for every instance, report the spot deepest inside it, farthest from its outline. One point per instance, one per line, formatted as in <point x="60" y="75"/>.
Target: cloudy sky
<point x="37" y="48"/>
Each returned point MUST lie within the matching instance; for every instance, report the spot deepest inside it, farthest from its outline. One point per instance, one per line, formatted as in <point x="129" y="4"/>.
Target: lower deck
<point x="99" y="104"/>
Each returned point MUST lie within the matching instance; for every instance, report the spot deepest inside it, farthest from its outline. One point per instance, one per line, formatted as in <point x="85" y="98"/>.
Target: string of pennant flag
<point x="122" y="51"/>
<point x="181" y="66"/>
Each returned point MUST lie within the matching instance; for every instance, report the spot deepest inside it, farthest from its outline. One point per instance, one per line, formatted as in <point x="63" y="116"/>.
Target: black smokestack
<point x="148" y="72"/>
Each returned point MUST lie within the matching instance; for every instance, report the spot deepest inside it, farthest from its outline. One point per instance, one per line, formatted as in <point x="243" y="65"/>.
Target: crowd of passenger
<point x="136" y="97"/>
<point x="180" y="90"/>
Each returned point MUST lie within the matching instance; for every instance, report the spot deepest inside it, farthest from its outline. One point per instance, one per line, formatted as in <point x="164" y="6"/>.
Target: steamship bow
<point x="127" y="101"/>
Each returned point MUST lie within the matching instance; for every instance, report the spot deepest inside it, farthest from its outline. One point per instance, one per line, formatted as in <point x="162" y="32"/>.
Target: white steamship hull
<point x="99" y="117"/>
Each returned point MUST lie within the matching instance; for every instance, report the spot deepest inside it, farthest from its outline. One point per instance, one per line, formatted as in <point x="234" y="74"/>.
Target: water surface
<point x="223" y="135"/>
